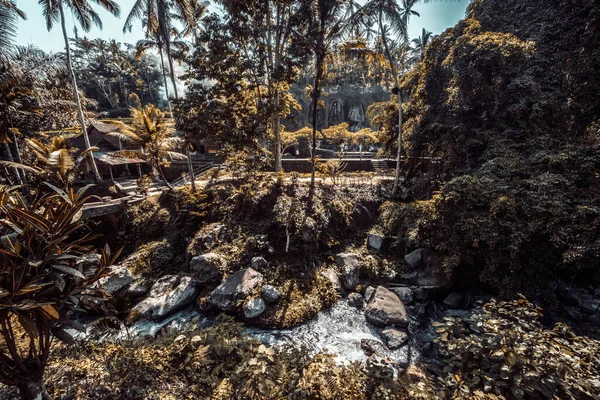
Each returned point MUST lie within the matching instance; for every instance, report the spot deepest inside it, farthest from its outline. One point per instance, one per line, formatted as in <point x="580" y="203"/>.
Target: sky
<point x="436" y="16"/>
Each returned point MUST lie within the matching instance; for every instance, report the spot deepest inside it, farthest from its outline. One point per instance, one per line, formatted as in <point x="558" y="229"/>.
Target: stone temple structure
<point x="342" y="104"/>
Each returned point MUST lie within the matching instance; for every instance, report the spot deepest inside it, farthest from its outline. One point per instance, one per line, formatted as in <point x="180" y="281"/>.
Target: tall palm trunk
<point x="187" y="151"/>
<point x="164" y="74"/>
<point x="172" y="72"/>
<point x="395" y="75"/>
<point x="162" y="175"/>
<point x="315" y="96"/>
<point x="164" y="33"/>
<point x="76" y="93"/>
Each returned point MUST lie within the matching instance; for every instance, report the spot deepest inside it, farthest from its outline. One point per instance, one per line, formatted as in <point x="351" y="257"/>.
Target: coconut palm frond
<point x="171" y="142"/>
<point x="87" y="152"/>
<point x="10" y="164"/>
<point x="173" y="155"/>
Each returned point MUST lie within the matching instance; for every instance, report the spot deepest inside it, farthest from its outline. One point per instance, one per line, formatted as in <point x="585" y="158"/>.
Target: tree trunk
<point x="172" y="70"/>
<point x="399" y="159"/>
<point x="313" y="159"/>
<point x="190" y="167"/>
<point x="395" y="76"/>
<point x="276" y="125"/>
<point x="162" y="67"/>
<point x="34" y="391"/>
<point x="76" y="93"/>
<point x="162" y="175"/>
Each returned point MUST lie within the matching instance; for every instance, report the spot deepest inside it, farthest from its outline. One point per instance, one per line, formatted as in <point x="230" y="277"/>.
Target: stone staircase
<point x="380" y="166"/>
<point x="129" y="187"/>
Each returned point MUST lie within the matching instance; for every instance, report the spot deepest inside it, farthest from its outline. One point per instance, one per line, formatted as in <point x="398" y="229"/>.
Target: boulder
<point x="332" y="276"/>
<point x="380" y="366"/>
<point x="376" y="241"/>
<point x="168" y="294"/>
<point x="207" y="267"/>
<point x="425" y="269"/>
<point x="356" y="300"/>
<point x="259" y="263"/>
<point x="385" y="309"/>
<point x="394" y="338"/>
<point x="119" y="277"/>
<point x="372" y="346"/>
<point x="236" y="287"/>
<point x="254" y="308"/>
<point x="454" y="300"/>
<point x="405" y="294"/>
<point x="137" y="289"/>
<point x="369" y="293"/>
<point x="349" y="265"/>
<point x="270" y="293"/>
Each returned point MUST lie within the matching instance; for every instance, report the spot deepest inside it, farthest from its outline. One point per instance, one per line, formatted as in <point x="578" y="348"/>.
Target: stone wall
<point x="342" y="104"/>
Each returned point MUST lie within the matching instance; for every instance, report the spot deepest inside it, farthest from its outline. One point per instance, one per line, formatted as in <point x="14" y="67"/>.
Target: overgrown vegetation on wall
<point x="509" y="105"/>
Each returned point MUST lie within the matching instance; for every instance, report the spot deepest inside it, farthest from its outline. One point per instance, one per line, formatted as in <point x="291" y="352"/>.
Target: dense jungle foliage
<point x="509" y="106"/>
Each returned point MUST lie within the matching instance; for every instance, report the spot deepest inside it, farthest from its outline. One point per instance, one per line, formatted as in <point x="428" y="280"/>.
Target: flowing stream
<point x="338" y="330"/>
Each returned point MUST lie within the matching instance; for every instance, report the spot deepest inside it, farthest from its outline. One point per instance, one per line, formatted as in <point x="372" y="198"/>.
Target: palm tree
<point x="325" y="26"/>
<point x="397" y="16"/>
<point x="9" y="14"/>
<point x="58" y="158"/>
<point x="157" y="17"/>
<point x="53" y="11"/>
<point x="154" y="133"/>
<point x="15" y="89"/>
<point x="421" y="43"/>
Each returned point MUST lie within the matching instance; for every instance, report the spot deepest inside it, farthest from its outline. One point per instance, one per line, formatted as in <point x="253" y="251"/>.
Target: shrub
<point x="46" y="266"/>
<point x="503" y="349"/>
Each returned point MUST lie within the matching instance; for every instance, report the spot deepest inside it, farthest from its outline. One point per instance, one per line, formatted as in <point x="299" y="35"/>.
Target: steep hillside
<point x="510" y="98"/>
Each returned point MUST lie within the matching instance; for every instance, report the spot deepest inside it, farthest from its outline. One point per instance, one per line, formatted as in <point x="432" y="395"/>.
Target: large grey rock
<point x="254" y="308"/>
<point x="349" y="264"/>
<point x="386" y="309"/>
<point x="372" y="346"/>
<point x="207" y="267"/>
<point x="381" y="366"/>
<point x="394" y="338"/>
<point x="137" y="289"/>
<point x="270" y="293"/>
<point x="426" y="269"/>
<point x="405" y="294"/>
<point x="356" y="300"/>
<point x="235" y="288"/>
<point x="332" y="276"/>
<point x="119" y="277"/>
<point x="259" y="263"/>
<point x="167" y="295"/>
